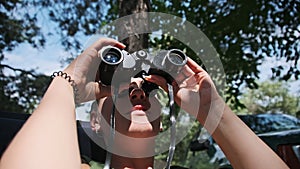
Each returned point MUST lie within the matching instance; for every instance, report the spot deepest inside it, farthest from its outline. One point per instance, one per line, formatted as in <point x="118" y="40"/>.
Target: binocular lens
<point x="111" y="55"/>
<point x="177" y="57"/>
<point x="111" y="58"/>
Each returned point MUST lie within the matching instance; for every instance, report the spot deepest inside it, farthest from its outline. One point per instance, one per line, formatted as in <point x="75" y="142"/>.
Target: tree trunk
<point x="134" y="41"/>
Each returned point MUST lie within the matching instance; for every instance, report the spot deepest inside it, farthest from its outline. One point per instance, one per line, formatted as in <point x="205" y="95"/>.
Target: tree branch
<point x="18" y="70"/>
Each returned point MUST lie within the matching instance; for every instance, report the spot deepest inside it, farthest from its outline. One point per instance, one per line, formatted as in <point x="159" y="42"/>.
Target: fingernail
<point x="120" y="45"/>
<point x="147" y="77"/>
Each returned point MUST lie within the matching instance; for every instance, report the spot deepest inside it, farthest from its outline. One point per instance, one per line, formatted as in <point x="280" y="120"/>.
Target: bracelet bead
<point x="69" y="79"/>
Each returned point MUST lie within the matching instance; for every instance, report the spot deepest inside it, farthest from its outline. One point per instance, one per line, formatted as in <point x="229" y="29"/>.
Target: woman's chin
<point x="140" y="125"/>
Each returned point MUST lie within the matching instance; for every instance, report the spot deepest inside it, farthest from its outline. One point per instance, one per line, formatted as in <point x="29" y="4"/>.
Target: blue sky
<point x="44" y="61"/>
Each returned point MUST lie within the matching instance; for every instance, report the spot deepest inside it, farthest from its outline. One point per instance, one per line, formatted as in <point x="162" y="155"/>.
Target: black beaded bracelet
<point x="68" y="78"/>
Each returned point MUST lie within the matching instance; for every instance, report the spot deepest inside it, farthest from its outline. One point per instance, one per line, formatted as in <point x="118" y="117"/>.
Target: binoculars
<point x="119" y="66"/>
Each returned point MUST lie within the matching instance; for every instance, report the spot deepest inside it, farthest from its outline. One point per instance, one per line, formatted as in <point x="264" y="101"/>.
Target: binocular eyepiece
<point x="167" y="63"/>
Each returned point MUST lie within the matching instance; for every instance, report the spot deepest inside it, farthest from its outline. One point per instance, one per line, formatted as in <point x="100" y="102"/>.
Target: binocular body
<point x="119" y="66"/>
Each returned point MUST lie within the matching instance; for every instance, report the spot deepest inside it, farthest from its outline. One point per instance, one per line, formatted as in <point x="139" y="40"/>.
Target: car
<point x="11" y="123"/>
<point x="281" y="132"/>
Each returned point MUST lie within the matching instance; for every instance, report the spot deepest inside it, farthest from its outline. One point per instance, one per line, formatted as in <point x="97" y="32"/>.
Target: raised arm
<point x="196" y="93"/>
<point x="49" y="137"/>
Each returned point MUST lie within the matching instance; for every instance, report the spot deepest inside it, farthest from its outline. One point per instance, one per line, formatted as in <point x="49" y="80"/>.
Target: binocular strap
<point x="112" y="131"/>
<point x="172" y="127"/>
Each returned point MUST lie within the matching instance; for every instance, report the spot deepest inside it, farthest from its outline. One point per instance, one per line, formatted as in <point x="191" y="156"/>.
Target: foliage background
<point x="244" y="33"/>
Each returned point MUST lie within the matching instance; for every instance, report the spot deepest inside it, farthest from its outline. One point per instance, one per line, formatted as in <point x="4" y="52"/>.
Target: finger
<point x="185" y="73"/>
<point x="180" y="77"/>
<point x="120" y="45"/>
<point x="102" y="90"/>
<point x="107" y="42"/>
<point x="160" y="81"/>
<point x="194" y="66"/>
<point x="93" y="120"/>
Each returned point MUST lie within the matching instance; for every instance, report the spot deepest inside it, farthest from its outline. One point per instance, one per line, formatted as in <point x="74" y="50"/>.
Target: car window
<point x="263" y="123"/>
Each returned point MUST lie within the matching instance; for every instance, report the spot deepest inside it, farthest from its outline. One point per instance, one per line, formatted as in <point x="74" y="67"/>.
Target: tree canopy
<point x="271" y="97"/>
<point x="243" y="32"/>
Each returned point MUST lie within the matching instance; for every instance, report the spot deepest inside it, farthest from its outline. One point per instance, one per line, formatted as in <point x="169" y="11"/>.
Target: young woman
<point x="40" y="144"/>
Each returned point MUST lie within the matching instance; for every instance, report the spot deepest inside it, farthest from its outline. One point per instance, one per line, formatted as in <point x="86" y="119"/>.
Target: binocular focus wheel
<point x="141" y="54"/>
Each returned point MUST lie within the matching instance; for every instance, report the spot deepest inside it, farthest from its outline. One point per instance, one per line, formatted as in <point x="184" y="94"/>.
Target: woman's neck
<point x="119" y="162"/>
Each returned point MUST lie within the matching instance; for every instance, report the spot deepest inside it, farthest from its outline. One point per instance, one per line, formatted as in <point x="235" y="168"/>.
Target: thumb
<point x="106" y="42"/>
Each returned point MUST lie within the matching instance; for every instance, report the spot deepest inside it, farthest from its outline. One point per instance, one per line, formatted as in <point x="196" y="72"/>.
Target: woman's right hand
<point x="83" y="71"/>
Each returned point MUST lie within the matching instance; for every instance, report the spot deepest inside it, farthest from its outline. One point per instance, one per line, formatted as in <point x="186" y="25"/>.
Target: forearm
<point x="241" y="146"/>
<point x="49" y="138"/>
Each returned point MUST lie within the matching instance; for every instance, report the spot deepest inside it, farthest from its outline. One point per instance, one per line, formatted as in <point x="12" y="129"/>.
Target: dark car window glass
<point x="263" y="123"/>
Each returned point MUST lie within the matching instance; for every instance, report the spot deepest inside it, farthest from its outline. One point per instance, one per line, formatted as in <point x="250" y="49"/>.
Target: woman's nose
<point x="137" y="95"/>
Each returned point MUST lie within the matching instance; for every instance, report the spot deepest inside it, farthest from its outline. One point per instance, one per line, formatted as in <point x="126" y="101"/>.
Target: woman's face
<point x="137" y="120"/>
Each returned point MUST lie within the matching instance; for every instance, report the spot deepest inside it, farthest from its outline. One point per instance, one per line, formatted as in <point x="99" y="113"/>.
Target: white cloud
<point x="43" y="61"/>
